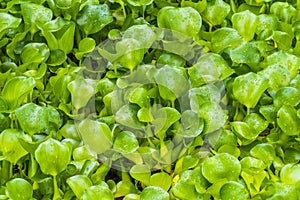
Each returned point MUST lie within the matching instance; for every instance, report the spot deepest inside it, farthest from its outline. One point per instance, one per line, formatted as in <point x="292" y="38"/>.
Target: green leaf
<point x="245" y="23"/>
<point x="19" y="189"/>
<point x="35" y="52"/>
<point x="10" y="146"/>
<point x="289" y="61"/>
<point x="171" y="60"/>
<point x="62" y="4"/>
<point x="290" y="174"/>
<point x="283" y="41"/>
<point x="287" y="96"/>
<point x="152" y="192"/>
<point x="295" y="82"/>
<point x="59" y="34"/>
<point x="16" y="90"/>
<point x="83" y="153"/>
<point x="53" y="156"/>
<point x="33" y="20"/>
<point x="220" y="138"/>
<point x="77" y="88"/>
<point x="124" y="188"/>
<point x="141" y="173"/>
<point x="231" y="149"/>
<point x="233" y="189"/>
<point x="264" y="152"/>
<point x="214" y="116"/>
<point x="142" y="33"/>
<point x="221" y="166"/>
<point x="144" y="115"/>
<point x="140" y="97"/>
<point x="69" y="131"/>
<point x="132" y="197"/>
<point x="140" y="2"/>
<point x="86" y="45"/>
<point x="245" y="53"/>
<point x="60" y="88"/>
<point x="162" y="180"/>
<point x="172" y="82"/>
<point x="127" y="116"/>
<point x="96" y="135"/>
<point x="248" y="88"/>
<point x="98" y="14"/>
<point x="224" y="38"/>
<point x="32" y="118"/>
<point x="78" y="184"/>
<point x="185" y="20"/>
<point x="56" y="57"/>
<point x="185" y="190"/>
<point x="8" y="21"/>
<point x="284" y="11"/>
<point x="97" y="192"/>
<point x="163" y="119"/>
<point x="256" y="122"/>
<point x="216" y="11"/>
<point x="269" y="112"/>
<point x="199" y="6"/>
<point x="191" y="125"/>
<point x="291" y="155"/>
<point x="288" y="121"/>
<point x="126" y="142"/>
<point x="266" y="22"/>
<point x="210" y="67"/>
<point x="243" y="130"/>
<point x="252" y="165"/>
<point x="277" y="75"/>
<point x="130" y="53"/>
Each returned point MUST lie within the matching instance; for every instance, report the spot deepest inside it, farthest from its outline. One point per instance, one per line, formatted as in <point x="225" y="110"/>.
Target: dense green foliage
<point x="149" y="99"/>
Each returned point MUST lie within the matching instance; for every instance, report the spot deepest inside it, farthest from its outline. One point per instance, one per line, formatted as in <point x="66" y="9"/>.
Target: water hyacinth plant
<point x="149" y="99"/>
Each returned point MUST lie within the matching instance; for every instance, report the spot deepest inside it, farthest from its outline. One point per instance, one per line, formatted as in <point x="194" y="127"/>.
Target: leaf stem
<point x="56" y="189"/>
<point x="236" y="112"/>
<point x="248" y="111"/>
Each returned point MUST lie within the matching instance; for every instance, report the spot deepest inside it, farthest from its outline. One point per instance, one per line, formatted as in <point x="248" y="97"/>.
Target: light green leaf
<point x="264" y="152"/>
<point x="245" y="53"/>
<point x="35" y="52"/>
<point x="289" y="96"/>
<point x="16" y="90"/>
<point x="8" y="21"/>
<point x="77" y="88"/>
<point x="245" y="23"/>
<point x="216" y="11"/>
<point x="141" y="173"/>
<point x="98" y="14"/>
<point x="214" y="116"/>
<point x="32" y="118"/>
<point x="221" y="166"/>
<point x="78" y="184"/>
<point x="185" y="20"/>
<point x="126" y="142"/>
<point x="288" y="121"/>
<point x="224" y="38"/>
<point x="96" y="135"/>
<point x="277" y="75"/>
<point x="154" y="193"/>
<point x="162" y="180"/>
<point x="290" y="174"/>
<point x="53" y="156"/>
<point x="97" y="192"/>
<point x="19" y="189"/>
<point x="248" y="88"/>
<point x="10" y="146"/>
<point x="233" y="189"/>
